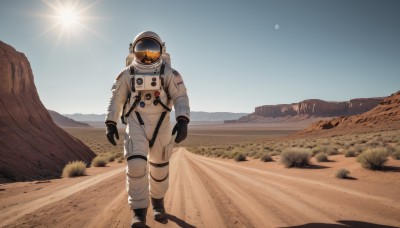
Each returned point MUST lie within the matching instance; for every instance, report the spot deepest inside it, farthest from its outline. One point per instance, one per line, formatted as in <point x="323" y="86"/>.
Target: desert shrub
<point x="315" y="151"/>
<point x="295" y="157"/>
<point x="266" y="158"/>
<point x="330" y="151"/>
<point x="233" y="154"/>
<point x="99" y="161"/>
<point x="74" y="169"/>
<point x="321" y="157"/>
<point x="110" y="157"/>
<point x="273" y="153"/>
<point x="239" y="157"/>
<point x="258" y="155"/>
<point x="396" y="155"/>
<point x="251" y="154"/>
<point x="342" y="173"/>
<point x="350" y="153"/>
<point x="268" y="148"/>
<point x="373" y="158"/>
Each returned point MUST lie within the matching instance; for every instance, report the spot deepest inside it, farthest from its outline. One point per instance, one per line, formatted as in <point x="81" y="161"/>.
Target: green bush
<point x="266" y="158"/>
<point x="239" y="157"/>
<point x="321" y="157"/>
<point x="342" y="173"/>
<point x="374" y="158"/>
<point x="295" y="157"/>
<point x="74" y="169"/>
<point x="99" y="161"/>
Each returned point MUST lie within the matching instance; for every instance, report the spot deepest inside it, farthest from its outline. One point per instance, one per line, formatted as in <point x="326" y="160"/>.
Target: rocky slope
<point x="32" y="146"/>
<point x="385" y="115"/>
<point x="64" y="121"/>
<point x="309" y="108"/>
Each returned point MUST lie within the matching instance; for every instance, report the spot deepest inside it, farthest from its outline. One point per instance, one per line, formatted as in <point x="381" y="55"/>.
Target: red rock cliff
<point x="385" y="115"/>
<point x="311" y="107"/>
<point x="320" y="108"/>
<point x="32" y="146"/>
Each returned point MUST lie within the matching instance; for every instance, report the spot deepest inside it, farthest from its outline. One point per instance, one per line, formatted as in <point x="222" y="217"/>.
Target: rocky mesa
<point x="386" y="115"/>
<point x="32" y="146"/>
<point x="309" y="108"/>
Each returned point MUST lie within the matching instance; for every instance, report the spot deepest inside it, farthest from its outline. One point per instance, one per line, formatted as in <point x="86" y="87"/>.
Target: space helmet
<point x="147" y="48"/>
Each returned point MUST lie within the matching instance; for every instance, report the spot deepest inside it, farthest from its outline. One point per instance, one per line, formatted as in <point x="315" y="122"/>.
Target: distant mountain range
<point x="64" y="121"/>
<point x="195" y="116"/>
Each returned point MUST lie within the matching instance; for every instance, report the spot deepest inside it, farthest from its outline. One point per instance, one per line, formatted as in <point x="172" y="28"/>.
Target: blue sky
<point x="229" y="53"/>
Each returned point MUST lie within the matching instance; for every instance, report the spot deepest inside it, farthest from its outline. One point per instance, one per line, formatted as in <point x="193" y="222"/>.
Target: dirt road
<point x="207" y="192"/>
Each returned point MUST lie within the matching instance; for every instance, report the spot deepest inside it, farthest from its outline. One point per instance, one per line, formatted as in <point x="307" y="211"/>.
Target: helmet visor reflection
<point x="147" y="51"/>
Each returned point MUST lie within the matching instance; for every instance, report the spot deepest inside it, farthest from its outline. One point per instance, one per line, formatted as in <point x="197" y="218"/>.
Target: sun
<point x="67" y="17"/>
<point x="70" y="19"/>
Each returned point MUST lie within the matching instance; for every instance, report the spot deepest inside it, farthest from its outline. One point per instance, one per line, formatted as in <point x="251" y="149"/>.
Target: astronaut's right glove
<point x="180" y="129"/>
<point x="111" y="131"/>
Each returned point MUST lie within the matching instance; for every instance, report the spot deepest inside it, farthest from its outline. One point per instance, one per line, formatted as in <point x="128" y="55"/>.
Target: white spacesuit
<point x="143" y="95"/>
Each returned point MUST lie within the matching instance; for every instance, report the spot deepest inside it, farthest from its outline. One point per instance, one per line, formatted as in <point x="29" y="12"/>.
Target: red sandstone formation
<point x="32" y="146"/>
<point x="309" y="108"/>
<point x="386" y="114"/>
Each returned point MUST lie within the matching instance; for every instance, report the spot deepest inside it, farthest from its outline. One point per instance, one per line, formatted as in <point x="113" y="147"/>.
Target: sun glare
<point x="68" y="18"/>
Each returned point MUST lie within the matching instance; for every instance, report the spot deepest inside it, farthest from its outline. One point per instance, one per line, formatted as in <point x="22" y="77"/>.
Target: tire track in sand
<point x="17" y="211"/>
<point x="207" y="192"/>
<point x="270" y="199"/>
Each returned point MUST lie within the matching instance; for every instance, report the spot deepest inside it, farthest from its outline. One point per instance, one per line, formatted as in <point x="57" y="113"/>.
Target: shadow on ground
<point x="179" y="221"/>
<point x="343" y="224"/>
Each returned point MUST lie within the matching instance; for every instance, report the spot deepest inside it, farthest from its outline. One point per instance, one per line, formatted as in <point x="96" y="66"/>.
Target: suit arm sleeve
<point x="119" y="94"/>
<point x="178" y="93"/>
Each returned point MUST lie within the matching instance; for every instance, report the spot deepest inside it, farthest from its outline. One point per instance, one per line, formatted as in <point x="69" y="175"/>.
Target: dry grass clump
<point x="266" y="158"/>
<point x="321" y="157"/>
<point x="373" y="158"/>
<point x="350" y="145"/>
<point x="74" y="169"/>
<point x="342" y="174"/>
<point x="350" y="153"/>
<point x="111" y="156"/>
<point x="99" y="161"/>
<point x="239" y="157"/>
<point x="295" y="157"/>
<point x="259" y="155"/>
<point x="396" y="155"/>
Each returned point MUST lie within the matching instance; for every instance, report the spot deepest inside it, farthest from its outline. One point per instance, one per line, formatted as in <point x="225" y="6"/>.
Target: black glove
<point x="111" y="131"/>
<point x="181" y="129"/>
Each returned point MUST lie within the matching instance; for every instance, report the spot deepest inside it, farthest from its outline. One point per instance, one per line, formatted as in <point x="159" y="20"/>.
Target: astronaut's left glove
<point x="180" y="129"/>
<point x="111" y="131"/>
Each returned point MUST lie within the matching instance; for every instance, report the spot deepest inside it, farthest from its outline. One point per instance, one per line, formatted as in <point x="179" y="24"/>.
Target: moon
<point x="276" y="26"/>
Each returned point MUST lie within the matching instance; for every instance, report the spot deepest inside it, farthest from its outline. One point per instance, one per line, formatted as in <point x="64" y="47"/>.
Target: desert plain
<point x="208" y="189"/>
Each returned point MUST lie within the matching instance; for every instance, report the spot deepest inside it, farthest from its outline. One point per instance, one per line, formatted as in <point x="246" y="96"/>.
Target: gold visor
<point x="147" y="51"/>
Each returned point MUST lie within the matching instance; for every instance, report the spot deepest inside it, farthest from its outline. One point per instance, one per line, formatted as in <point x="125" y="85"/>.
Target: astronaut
<point x="142" y="96"/>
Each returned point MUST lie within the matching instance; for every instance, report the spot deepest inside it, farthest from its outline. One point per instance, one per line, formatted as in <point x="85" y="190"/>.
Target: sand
<point x="207" y="192"/>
